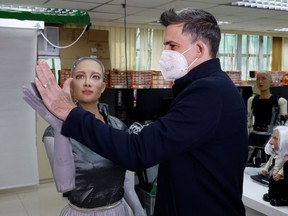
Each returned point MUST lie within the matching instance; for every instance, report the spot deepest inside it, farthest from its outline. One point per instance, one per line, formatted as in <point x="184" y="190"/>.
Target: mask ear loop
<point x="192" y="63"/>
<point x="193" y="60"/>
<point x="188" y="49"/>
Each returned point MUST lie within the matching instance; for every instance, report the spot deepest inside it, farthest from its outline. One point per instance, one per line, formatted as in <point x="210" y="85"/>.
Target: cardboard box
<point x="65" y="34"/>
<point x="98" y="35"/>
<point x="98" y="47"/>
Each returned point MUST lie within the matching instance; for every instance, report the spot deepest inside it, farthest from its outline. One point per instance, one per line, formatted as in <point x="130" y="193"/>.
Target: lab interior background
<point x="126" y="37"/>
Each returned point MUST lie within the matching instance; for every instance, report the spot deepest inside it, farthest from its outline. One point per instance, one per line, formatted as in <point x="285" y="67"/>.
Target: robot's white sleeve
<point x="283" y="106"/>
<point x="250" y="114"/>
<point x="130" y="195"/>
<point x="59" y="152"/>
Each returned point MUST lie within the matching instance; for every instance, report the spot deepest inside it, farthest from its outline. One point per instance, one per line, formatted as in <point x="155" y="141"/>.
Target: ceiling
<point x="147" y="12"/>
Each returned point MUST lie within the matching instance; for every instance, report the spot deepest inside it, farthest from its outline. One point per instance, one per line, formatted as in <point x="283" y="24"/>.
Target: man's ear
<point x="201" y="49"/>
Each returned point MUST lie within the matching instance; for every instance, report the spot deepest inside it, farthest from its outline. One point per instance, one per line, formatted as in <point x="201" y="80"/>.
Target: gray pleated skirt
<point x="117" y="209"/>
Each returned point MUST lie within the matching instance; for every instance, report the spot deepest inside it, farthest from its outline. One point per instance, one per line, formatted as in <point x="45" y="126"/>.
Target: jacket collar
<point x="203" y="70"/>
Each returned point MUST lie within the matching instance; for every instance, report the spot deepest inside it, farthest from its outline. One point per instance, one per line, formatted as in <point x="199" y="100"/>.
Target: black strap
<point x="273" y="118"/>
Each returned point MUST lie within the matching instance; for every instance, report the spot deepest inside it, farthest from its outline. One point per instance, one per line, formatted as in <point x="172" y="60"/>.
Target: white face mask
<point x="173" y="64"/>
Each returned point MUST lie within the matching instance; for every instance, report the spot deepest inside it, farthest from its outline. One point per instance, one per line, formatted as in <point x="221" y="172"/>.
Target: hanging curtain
<point x="151" y="46"/>
<point x="284" y="54"/>
<point x="118" y="49"/>
<point x="276" y="53"/>
<point x="146" y="48"/>
<point x="157" y="48"/>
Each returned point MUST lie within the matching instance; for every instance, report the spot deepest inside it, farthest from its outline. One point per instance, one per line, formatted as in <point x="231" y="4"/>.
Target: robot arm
<point x="249" y="115"/>
<point x="59" y="152"/>
<point x="58" y="148"/>
<point x="283" y="106"/>
<point x="130" y="195"/>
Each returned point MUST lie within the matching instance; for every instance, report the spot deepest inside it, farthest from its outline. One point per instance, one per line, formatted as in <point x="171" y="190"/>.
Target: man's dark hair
<point x="200" y="24"/>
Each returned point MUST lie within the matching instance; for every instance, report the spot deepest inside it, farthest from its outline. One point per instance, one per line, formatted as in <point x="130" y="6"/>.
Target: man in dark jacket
<point x="200" y="144"/>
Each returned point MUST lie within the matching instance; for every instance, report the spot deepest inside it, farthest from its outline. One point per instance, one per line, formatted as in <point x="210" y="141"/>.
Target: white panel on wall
<point x="44" y="47"/>
<point x="18" y="155"/>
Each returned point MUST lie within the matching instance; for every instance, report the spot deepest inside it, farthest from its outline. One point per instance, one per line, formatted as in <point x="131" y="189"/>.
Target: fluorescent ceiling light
<point x="223" y="23"/>
<point x="265" y="4"/>
<point x="271" y="4"/>
<point x="282" y="30"/>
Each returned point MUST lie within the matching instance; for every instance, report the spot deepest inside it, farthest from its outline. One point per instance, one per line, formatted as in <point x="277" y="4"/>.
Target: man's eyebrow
<point x="169" y="42"/>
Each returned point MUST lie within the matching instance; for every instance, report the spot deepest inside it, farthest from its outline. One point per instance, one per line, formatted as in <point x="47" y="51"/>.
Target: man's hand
<point x="57" y="101"/>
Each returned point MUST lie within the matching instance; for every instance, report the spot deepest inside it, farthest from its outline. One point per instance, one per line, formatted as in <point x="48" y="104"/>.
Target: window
<point x="245" y="53"/>
<point x="236" y="52"/>
<point x="267" y="49"/>
<point x="227" y="51"/>
<point x="144" y="41"/>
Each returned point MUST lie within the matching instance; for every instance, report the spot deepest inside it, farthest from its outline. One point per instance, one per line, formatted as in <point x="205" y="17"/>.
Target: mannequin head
<point x="278" y="143"/>
<point x="263" y="81"/>
<point x="88" y="80"/>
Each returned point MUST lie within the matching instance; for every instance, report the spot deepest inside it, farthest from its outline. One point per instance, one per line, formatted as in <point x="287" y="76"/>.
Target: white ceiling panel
<point x="118" y="9"/>
<point x="144" y="11"/>
<point x="105" y="17"/>
<point x="71" y="5"/>
<point x="24" y="2"/>
<point x="147" y="3"/>
<point x="183" y="4"/>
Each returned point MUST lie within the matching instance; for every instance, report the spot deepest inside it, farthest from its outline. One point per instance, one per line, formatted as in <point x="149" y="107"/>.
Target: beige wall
<point x="92" y="43"/>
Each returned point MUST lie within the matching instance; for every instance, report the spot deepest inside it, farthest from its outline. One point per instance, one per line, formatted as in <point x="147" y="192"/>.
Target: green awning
<point x="49" y="15"/>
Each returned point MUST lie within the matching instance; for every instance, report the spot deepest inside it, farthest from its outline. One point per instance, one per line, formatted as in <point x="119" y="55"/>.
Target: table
<point x="253" y="193"/>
